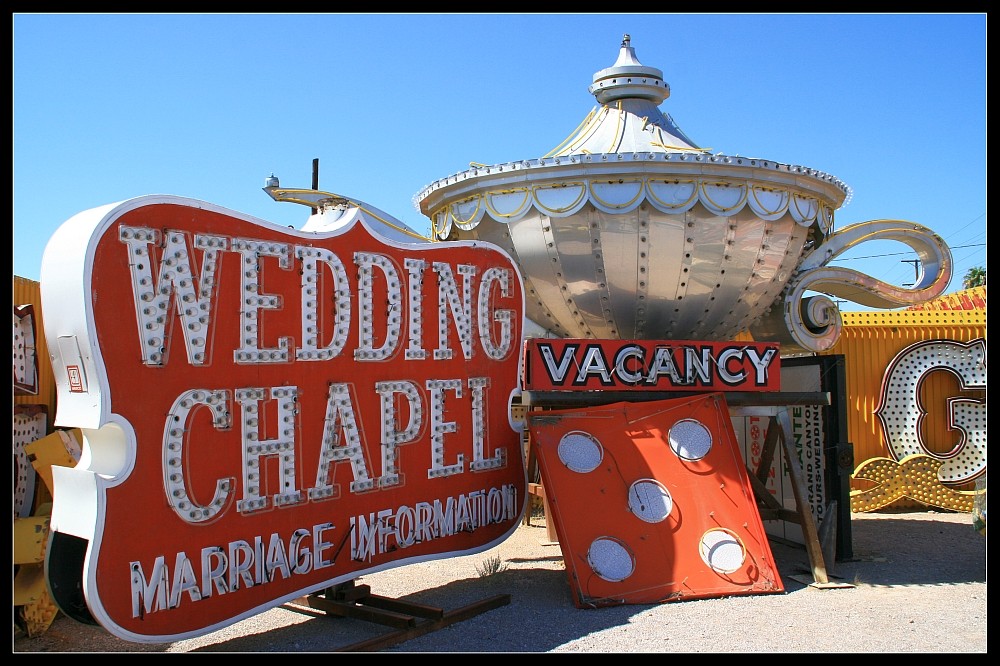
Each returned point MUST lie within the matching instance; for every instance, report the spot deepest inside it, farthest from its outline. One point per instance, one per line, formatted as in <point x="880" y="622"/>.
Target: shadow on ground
<point x="913" y="549"/>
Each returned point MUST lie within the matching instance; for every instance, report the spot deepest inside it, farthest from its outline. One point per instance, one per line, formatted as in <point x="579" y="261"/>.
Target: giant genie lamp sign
<point x="269" y="412"/>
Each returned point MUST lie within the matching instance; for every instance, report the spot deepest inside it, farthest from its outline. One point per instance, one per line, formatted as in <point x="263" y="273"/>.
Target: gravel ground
<point x="916" y="583"/>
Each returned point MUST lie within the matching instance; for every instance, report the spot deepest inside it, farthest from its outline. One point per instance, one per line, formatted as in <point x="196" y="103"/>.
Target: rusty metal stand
<point x="408" y="618"/>
<point x="780" y="429"/>
<point x="536" y="489"/>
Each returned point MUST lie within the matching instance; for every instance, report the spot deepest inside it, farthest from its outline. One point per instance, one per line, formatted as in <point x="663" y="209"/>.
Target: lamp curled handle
<point x="814" y="323"/>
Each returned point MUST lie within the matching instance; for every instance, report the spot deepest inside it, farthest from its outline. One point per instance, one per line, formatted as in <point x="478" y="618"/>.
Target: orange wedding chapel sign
<point x="268" y="412"/>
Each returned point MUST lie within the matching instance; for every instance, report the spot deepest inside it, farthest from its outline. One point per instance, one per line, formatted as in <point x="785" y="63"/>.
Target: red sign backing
<point x="567" y="364"/>
<point x="268" y="412"/>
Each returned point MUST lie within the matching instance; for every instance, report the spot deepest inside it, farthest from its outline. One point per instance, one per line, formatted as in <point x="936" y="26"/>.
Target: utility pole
<point x="916" y="270"/>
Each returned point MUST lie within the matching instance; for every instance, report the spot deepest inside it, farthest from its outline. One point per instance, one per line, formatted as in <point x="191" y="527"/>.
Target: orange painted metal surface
<point x="968" y="299"/>
<point x="652" y="502"/>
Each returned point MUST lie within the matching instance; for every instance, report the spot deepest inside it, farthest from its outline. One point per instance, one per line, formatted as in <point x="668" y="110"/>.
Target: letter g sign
<point x="901" y="411"/>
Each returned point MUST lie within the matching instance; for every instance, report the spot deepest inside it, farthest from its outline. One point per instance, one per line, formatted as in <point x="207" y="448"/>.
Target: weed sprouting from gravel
<point x="491" y="565"/>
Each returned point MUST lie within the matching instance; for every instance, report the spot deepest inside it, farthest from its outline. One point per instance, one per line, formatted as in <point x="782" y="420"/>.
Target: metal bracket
<point x="408" y="618"/>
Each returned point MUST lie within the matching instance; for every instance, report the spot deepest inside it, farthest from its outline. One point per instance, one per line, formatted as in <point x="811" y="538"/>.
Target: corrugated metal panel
<point x="869" y="342"/>
<point x="969" y="299"/>
<point x="29" y="292"/>
<point x="919" y="318"/>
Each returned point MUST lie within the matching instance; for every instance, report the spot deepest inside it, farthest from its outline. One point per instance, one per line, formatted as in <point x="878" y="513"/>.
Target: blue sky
<point x="107" y="107"/>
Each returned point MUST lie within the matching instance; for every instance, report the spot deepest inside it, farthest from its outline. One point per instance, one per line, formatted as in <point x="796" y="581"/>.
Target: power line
<point x="896" y="254"/>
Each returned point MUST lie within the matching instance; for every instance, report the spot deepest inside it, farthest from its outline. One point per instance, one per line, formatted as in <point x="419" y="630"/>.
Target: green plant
<point x="974" y="277"/>
<point x="491" y="565"/>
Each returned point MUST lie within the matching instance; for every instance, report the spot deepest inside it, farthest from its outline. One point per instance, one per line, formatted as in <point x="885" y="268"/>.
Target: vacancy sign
<point x="568" y="364"/>
<point x="269" y="412"/>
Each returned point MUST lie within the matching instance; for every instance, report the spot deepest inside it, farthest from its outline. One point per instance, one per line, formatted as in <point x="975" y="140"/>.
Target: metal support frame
<point x="805" y="518"/>
<point x="409" y="619"/>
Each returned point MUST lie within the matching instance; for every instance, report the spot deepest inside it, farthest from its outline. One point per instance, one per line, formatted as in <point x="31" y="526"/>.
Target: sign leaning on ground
<point x="268" y="412"/>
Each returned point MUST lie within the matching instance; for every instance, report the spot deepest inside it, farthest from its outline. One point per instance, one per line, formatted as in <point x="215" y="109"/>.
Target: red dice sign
<point x="652" y="502"/>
